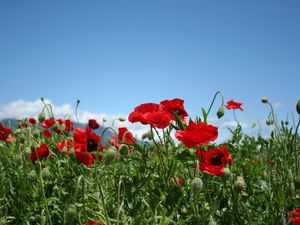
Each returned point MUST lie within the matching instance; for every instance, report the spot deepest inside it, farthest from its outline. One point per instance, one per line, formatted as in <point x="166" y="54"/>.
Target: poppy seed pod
<point x="220" y="112"/>
<point x="197" y="184"/>
<point x="264" y="100"/>
<point x="41" y="117"/>
<point x="298" y="107"/>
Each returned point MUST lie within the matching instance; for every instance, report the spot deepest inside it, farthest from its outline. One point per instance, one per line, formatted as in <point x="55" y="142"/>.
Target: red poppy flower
<point x="214" y="160"/>
<point x="65" y="144"/>
<point x="47" y="134"/>
<point x="41" y="152"/>
<point x="4" y="133"/>
<point x="294" y="216"/>
<point x="197" y="134"/>
<point x="69" y="125"/>
<point x="32" y="121"/>
<point x="149" y="113"/>
<point x="86" y="141"/>
<point x="48" y="123"/>
<point x="125" y="136"/>
<point x="93" y="124"/>
<point x="175" y="105"/>
<point x="234" y="105"/>
<point x="93" y="223"/>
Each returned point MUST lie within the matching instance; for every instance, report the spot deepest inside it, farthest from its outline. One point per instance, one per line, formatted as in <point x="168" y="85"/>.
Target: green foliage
<point x="150" y="183"/>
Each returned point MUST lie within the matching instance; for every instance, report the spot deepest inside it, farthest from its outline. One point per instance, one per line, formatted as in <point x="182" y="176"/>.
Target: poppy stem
<point x="43" y="193"/>
<point x="211" y="104"/>
<point x="76" y="111"/>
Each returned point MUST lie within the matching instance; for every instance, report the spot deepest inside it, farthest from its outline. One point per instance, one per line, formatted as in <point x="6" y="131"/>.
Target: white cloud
<point x="233" y="124"/>
<point x="23" y="109"/>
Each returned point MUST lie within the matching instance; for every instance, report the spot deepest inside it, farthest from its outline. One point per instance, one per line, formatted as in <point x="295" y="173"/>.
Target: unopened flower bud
<point x="104" y="120"/>
<point x="122" y="119"/>
<point x="227" y="173"/>
<point x="240" y="183"/>
<point x="41" y="117"/>
<point x="70" y="214"/>
<point x="220" y="112"/>
<point x="298" y="107"/>
<point x="264" y="100"/>
<point x="46" y="173"/>
<point x="109" y="155"/>
<point x="32" y="175"/>
<point x="197" y="184"/>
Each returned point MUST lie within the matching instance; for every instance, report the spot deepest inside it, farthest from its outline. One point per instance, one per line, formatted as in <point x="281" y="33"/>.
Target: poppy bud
<point x="36" y="133"/>
<point x="22" y="138"/>
<point x="109" y="155"/>
<point x="264" y="100"/>
<point x="227" y="173"/>
<point x="104" y="120"/>
<point x="70" y="214"/>
<point x="55" y="189"/>
<point x="298" y="107"/>
<point x="46" y="173"/>
<point x="122" y="119"/>
<point x="32" y="175"/>
<point x="124" y="150"/>
<point x="240" y="183"/>
<point x="220" y="112"/>
<point x="183" y="211"/>
<point x="197" y="184"/>
<point x="41" y="117"/>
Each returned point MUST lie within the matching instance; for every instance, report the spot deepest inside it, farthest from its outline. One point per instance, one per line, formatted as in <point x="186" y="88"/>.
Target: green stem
<point x="211" y="104"/>
<point x="43" y="193"/>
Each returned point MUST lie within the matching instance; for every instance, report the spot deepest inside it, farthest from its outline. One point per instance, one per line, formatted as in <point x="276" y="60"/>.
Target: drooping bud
<point x="220" y="112"/>
<point x="240" y="184"/>
<point x="104" y="120"/>
<point x="41" y="117"/>
<point x="197" y="184"/>
<point x="122" y="119"/>
<point x="298" y="107"/>
<point x="264" y="100"/>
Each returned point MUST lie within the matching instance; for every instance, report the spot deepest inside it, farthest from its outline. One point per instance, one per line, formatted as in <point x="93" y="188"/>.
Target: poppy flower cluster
<point x="4" y="133"/>
<point x="158" y="115"/>
<point x="87" y="145"/>
<point x="57" y="126"/>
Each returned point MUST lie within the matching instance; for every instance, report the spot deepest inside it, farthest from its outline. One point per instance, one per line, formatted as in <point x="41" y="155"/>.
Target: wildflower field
<point x="53" y="172"/>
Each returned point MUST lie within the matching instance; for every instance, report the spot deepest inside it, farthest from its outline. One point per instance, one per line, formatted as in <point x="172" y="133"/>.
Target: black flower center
<point x="216" y="160"/>
<point x="92" y="145"/>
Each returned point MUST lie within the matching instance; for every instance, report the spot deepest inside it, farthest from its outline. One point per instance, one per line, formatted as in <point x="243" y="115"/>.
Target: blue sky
<point x="115" y="55"/>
